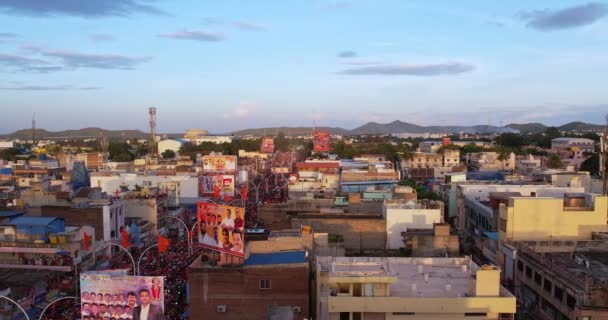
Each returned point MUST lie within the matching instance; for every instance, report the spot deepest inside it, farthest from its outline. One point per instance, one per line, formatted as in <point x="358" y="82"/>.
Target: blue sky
<point x="227" y="65"/>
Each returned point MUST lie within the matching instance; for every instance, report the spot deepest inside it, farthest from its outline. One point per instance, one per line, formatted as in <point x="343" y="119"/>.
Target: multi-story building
<point x="423" y="166"/>
<point x="491" y="161"/>
<point x="356" y="288"/>
<point x="273" y="282"/>
<point x="574" y="147"/>
<point x="183" y="186"/>
<point x="376" y="176"/>
<point x="575" y="216"/>
<point x="562" y="279"/>
<point x="401" y="217"/>
<point x="45" y="243"/>
<point x="438" y="242"/>
<point x="318" y="178"/>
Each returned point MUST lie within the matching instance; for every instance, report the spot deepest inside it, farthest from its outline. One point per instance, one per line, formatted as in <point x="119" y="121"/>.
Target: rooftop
<point x="32" y="221"/>
<point x="289" y="257"/>
<point x="416" y="277"/>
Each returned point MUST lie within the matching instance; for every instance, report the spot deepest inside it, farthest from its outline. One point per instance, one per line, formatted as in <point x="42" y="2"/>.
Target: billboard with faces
<point x="121" y="296"/>
<point x="220" y="228"/>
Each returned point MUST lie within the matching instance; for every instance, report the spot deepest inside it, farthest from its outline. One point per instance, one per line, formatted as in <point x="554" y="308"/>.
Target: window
<point x="570" y="301"/>
<point x="369" y="290"/>
<point x="538" y="278"/>
<point x="357" y="316"/>
<point x="547" y="285"/>
<point x="520" y="266"/>
<point x="528" y="272"/>
<point x="503" y="225"/>
<point x="558" y="293"/>
<point x="344" y="316"/>
<point x="475" y="314"/>
<point x="265" y="284"/>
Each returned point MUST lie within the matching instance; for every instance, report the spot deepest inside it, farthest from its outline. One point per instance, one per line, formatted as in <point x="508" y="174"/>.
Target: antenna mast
<point x="103" y="141"/>
<point x="604" y="158"/>
<point x="152" y="146"/>
<point x="34" y="129"/>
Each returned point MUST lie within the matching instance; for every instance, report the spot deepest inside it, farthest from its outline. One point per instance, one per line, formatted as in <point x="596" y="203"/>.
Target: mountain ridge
<point x="394" y="127"/>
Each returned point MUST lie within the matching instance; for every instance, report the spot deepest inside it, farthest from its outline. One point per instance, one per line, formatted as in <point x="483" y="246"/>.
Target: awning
<point x="491" y="235"/>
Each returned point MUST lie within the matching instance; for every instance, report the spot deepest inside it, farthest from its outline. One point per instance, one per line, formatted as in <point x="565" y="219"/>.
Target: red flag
<point x="163" y="243"/>
<point x="227" y="198"/>
<point x="244" y="192"/>
<point x="216" y="192"/>
<point x="125" y="239"/>
<point x="86" y="239"/>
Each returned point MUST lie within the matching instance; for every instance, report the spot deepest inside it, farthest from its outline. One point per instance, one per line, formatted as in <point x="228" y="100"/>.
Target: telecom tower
<point x="34" y="129"/>
<point x="604" y="158"/>
<point x="103" y="142"/>
<point x="152" y="146"/>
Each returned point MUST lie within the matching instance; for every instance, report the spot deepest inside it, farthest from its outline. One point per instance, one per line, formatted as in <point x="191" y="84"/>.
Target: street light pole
<point x="17" y="304"/>
<point x="53" y="302"/>
<point x="125" y="250"/>
<point x="142" y="254"/>
<point x="188" y="240"/>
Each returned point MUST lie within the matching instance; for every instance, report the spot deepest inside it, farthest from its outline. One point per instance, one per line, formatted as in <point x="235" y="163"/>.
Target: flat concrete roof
<point x="417" y="277"/>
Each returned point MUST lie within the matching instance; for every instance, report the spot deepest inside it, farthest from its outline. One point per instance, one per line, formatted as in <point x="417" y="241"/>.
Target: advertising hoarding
<point x="321" y="141"/>
<point x="219" y="164"/>
<point x="221" y="227"/>
<point x="223" y="183"/>
<point x="267" y="145"/>
<point x="121" y="297"/>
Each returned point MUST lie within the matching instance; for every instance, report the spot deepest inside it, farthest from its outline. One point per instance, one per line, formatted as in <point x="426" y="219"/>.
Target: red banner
<point x="321" y="141"/>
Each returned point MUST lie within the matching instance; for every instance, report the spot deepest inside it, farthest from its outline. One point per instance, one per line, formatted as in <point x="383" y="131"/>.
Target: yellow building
<point x="573" y="217"/>
<point x="370" y="288"/>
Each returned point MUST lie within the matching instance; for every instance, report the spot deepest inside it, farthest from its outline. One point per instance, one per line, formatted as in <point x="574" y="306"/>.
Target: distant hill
<point x="288" y="131"/>
<point x="528" y="127"/>
<point x="572" y="126"/>
<point x="405" y="127"/>
<point x="581" y="126"/>
<point x="80" y="133"/>
<point x="394" y="127"/>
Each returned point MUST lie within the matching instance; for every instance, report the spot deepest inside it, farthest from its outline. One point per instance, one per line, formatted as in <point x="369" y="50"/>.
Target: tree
<point x="512" y="140"/>
<point x="592" y="164"/>
<point x="554" y="162"/>
<point x="281" y="143"/>
<point x="553" y="132"/>
<point x="470" y="148"/>
<point x="168" y="154"/>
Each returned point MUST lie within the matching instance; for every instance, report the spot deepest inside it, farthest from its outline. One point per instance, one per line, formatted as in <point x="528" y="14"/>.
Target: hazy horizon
<point x="231" y="65"/>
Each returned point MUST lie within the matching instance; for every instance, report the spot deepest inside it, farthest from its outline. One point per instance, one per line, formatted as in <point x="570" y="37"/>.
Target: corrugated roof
<point x="32" y="221"/>
<point x="8" y="214"/>
<point x="276" y="258"/>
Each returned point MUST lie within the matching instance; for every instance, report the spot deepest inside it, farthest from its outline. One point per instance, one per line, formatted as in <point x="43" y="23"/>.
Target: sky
<point x="229" y="65"/>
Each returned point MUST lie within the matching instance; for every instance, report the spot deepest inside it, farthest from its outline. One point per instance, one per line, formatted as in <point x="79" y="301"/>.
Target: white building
<point x="400" y="217"/>
<point x="170" y="144"/>
<point x="578" y="146"/>
<point x="213" y="139"/>
<point x="6" y="144"/>
<point x="186" y="186"/>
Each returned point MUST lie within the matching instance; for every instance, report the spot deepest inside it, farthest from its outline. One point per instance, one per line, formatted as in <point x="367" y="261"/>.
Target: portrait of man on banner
<point x="221" y="228"/>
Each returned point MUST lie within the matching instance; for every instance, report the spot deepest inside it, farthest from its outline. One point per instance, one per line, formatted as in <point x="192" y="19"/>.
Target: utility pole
<point x="604" y="158"/>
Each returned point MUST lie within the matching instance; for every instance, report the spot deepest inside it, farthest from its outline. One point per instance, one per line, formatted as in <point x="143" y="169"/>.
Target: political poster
<point x="220" y="227"/>
<point x="121" y="297"/>
<point x="267" y="145"/>
<point x="293" y="178"/>
<point x="219" y="164"/>
<point x="171" y="189"/>
<point x="321" y="141"/>
<point x="218" y="184"/>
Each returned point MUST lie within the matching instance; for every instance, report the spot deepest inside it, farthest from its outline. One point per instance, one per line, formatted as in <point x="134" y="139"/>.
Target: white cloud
<point x="244" y="109"/>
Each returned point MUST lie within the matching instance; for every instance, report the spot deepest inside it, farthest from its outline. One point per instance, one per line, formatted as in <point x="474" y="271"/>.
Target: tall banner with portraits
<point x="221" y="228"/>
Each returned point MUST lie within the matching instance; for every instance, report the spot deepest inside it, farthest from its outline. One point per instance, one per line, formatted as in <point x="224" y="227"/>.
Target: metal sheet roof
<point x="276" y="258"/>
<point x="33" y="221"/>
